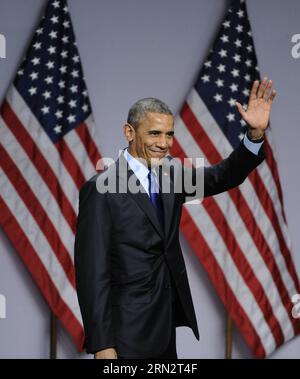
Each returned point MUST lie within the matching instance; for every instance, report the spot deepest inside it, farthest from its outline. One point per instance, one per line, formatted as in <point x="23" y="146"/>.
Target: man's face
<point x="152" y="139"/>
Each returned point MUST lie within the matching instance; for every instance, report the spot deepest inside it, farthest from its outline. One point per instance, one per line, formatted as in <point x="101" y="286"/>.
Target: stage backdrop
<point x="132" y="49"/>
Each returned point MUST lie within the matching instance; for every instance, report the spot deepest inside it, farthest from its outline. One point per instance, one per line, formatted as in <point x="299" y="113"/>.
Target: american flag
<point x="47" y="152"/>
<point x="241" y="236"/>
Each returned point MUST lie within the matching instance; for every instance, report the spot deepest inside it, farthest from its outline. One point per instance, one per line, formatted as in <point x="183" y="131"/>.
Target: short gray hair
<point x="143" y="106"/>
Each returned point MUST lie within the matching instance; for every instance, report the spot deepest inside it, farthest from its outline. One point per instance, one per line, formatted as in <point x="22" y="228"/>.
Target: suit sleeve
<point x="232" y="171"/>
<point x="92" y="268"/>
<point x="227" y="174"/>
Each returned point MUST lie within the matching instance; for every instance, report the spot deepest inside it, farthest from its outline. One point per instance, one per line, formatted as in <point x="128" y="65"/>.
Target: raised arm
<point x="257" y="115"/>
<point x="233" y="170"/>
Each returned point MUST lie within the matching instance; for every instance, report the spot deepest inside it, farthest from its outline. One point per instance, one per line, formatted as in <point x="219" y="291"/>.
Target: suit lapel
<point x="126" y="175"/>
<point x="143" y="201"/>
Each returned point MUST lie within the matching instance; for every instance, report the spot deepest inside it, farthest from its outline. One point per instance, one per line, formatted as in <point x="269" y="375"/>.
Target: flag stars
<point x="58" y="114"/>
<point x="246" y="92"/>
<point x="64" y="54"/>
<point x="248" y="62"/>
<point x="32" y="91"/>
<point x="235" y="73"/>
<point x="62" y="84"/>
<point x="219" y="82"/>
<point x="230" y="117"/>
<point x="249" y="48"/>
<point x="49" y="79"/>
<point x="39" y="31"/>
<point x="75" y="74"/>
<point x="240" y="13"/>
<point x="237" y="58"/>
<point x="221" y="68"/>
<point x="205" y="78"/>
<point x="238" y="43"/>
<point x="223" y="53"/>
<point x="52" y="49"/>
<point x="74" y="89"/>
<point x="37" y="45"/>
<point x="233" y="87"/>
<point x="71" y="118"/>
<point x="55" y="87"/>
<point x="57" y="129"/>
<point x="224" y="38"/>
<point x="226" y="24"/>
<point x="232" y="102"/>
<point x="85" y="107"/>
<point x="50" y="65"/>
<point x="35" y="61"/>
<point x="60" y="99"/>
<point x="242" y="122"/>
<point x="65" y="39"/>
<point x="241" y="136"/>
<point x="53" y="34"/>
<point x="247" y="77"/>
<point x="207" y="64"/>
<point x="239" y="28"/>
<point x="63" y="69"/>
<point x="54" y="19"/>
<point x="55" y="4"/>
<point x="72" y="103"/>
<point x="218" y="97"/>
<point x="76" y="58"/>
<point x="45" y="110"/>
<point x="47" y="95"/>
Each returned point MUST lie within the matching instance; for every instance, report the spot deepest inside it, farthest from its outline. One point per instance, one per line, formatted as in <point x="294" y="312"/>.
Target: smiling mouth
<point x="158" y="152"/>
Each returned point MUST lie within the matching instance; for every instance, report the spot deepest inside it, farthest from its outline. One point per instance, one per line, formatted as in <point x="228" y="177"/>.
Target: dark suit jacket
<point x="126" y="260"/>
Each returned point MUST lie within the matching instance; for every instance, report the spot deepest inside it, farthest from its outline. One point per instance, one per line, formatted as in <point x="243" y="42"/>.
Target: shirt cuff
<point x="252" y="146"/>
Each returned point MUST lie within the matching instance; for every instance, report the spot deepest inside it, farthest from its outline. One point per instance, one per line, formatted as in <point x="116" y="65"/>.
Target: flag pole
<point x="228" y="340"/>
<point x="53" y="336"/>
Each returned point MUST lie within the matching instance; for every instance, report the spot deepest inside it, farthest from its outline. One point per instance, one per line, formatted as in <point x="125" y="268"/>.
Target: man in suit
<point x="131" y="278"/>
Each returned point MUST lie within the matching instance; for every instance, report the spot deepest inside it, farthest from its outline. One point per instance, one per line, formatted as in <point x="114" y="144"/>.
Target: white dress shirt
<point x="141" y="172"/>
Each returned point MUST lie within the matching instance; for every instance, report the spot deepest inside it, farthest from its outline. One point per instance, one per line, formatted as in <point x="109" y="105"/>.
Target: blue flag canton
<point x="229" y="71"/>
<point x="50" y="79"/>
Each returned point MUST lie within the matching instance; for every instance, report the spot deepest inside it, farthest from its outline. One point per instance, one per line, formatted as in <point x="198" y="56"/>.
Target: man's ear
<point x="129" y="132"/>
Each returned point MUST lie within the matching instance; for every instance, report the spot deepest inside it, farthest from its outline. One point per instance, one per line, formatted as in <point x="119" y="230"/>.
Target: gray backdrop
<point x="137" y="48"/>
